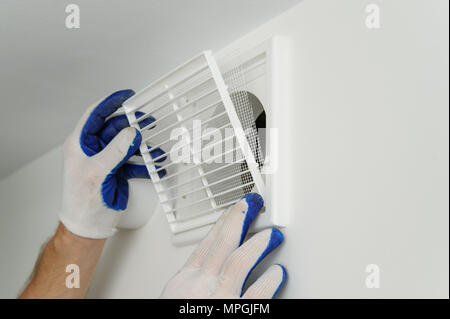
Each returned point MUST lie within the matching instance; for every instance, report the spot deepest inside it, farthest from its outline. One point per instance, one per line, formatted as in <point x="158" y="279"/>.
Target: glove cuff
<point x="101" y="225"/>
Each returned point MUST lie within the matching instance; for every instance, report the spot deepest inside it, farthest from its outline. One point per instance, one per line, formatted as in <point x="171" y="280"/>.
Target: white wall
<point x="371" y="164"/>
<point x="29" y="203"/>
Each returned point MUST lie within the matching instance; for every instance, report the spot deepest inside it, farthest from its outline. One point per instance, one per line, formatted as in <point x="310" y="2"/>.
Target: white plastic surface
<point x="194" y="194"/>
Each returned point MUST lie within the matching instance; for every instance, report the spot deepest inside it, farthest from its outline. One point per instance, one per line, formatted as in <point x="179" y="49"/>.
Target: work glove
<point x="96" y="172"/>
<point x="222" y="263"/>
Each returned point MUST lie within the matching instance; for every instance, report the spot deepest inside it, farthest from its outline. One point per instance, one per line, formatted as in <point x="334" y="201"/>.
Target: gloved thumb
<point x="120" y="149"/>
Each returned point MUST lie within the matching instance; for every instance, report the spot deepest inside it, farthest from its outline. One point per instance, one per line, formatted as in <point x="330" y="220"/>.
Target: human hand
<point x="96" y="172"/>
<point x="221" y="264"/>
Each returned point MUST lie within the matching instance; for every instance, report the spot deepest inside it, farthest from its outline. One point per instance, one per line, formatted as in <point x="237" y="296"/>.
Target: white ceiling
<point x="50" y="74"/>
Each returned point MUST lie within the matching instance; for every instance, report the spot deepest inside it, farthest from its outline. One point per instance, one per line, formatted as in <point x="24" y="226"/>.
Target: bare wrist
<point x="63" y="237"/>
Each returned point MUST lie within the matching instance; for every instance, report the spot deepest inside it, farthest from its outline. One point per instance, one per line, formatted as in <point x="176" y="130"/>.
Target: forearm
<point x="64" y="248"/>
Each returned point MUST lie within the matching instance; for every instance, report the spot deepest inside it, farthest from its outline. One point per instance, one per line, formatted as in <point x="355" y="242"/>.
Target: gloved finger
<point x="119" y="150"/>
<point x="199" y="255"/>
<point x="115" y="192"/>
<point x="115" y="124"/>
<point x="82" y="121"/>
<point x="157" y="154"/>
<point x="244" y="259"/>
<point x="131" y="170"/>
<point x="145" y="120"/>
<point x="94" y="120"/>
<point x="233" y="232"/>
<point x="268" y="285"/>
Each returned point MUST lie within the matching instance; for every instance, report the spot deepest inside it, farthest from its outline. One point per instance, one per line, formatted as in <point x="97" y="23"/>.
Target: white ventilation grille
<point x="205" y="124"/>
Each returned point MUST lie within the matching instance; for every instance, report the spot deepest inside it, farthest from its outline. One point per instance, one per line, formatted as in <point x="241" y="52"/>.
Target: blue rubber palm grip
<point x="283" y="279"/>
<point x="89" y="138"/>
<point x="276" y="238"/>
<point x="115" y="187"/>
<point x="254" y="202"/>
<point x="98" y="132"/>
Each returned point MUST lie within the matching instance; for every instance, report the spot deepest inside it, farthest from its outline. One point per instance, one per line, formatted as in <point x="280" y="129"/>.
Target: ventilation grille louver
<point x="222" y="155"/>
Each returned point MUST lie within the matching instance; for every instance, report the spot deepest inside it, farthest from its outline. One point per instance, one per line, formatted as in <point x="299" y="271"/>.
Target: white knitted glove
<point x="96" y="172"/>
<point x="221" y="264"/>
